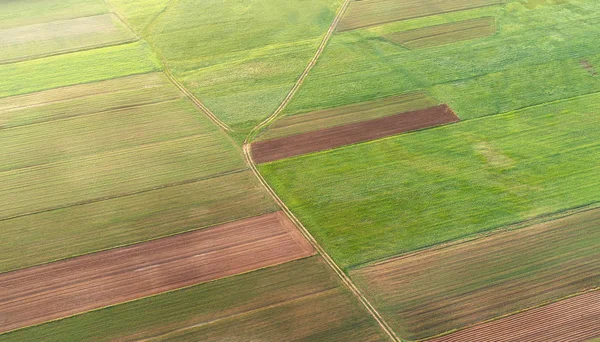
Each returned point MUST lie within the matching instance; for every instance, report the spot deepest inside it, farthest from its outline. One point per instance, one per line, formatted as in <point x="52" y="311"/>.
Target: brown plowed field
<point x="64" y="288"/>
<point x="573" y="319"/>
<point x="270" y="150"/>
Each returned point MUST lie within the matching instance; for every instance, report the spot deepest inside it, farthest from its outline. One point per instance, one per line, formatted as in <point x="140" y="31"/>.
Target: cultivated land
<point x="573" y="319"/>
<point x="374" y="200"/>
<point x="270" y="150"/>
<point x="38" y="40"/>
<point x="439" y="290"/>
<point x="373" y="12"/>
<point x="129" y="153"/>
<point x="39" y="294"/>
<point x="239" y="59"/>
<point x="28" y="12"/>
<point x="297" y="301"/>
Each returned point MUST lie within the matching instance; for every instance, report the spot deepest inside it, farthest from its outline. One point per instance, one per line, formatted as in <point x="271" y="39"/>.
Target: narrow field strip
<point x="366" y="13"/>
<point x="271" y="150"/>
<point x="63" y="36"/>
<point x="573" y="319"/>
<point x="64" y="288"/>
<point x="339" y="116"/>
<point x="445" y="33"/>
<point x="298" y="300"/>
<point x="433" y="291"/>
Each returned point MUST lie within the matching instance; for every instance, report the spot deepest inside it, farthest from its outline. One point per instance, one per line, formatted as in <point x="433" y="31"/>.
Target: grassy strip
<point x="378" y="199"/>
<point x="328" y="118"/>
<point x="39" y="40"/>
<point x="439" y="290"/>
<point x="27" y="12"/>
<point x="58" y="71"/>
<point x="445" y="34"/>
<point x="299" y="300"/>
<point x="374" y="12"/>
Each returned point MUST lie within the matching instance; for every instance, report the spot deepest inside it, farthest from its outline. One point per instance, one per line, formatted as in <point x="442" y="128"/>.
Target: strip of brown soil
<point x="270" y="150"/>
<point x="64" y="288"/>
<point x="573" y="319"/>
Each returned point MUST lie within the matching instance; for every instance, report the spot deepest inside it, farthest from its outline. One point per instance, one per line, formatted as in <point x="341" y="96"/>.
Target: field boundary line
<point x="244" y="313"/>
<point x="548" y="302"/>
<point x="338" y="271"/>
<point x="540" y="219"/>
<point x="303" y="75"/>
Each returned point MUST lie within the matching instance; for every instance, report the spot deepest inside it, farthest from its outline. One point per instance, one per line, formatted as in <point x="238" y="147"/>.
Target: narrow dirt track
<point x="271" y="150"/>
<point x="64" y="288"/>
<point x="573" y="319"/>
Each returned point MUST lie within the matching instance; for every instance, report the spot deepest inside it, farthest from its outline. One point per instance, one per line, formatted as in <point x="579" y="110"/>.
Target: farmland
<point x="39" y="294"/>
<point x="374" y="200"/>
<point x="28" y="12"/>
<point x="438" y="290"/>
<point x="302" y="297"/>
<point x="240" y="60"/>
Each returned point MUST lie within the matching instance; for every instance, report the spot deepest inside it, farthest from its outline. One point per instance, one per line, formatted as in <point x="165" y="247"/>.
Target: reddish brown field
<point x="573" y="319"/>
<point x="64" y="288"/>
<point x="270" y="150"/>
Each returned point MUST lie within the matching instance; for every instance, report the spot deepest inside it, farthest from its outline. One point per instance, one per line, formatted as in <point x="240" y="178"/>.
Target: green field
<point x="378" y="199"/>
<point x="240" y="59"/>
<point x="38" y="40"/>
<point x="100" y="165"/>
<point x="439" y="290"/>
<point x="28" y="12"/>
<point x="298" y="301"/>
<point x="535" y="57"/>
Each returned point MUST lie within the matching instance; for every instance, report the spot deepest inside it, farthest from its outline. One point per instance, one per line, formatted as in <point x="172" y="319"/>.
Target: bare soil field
<point x="271" y="150"/>
<point x="64" y="288"/>
<point x="374" y="12"/>
<point x="441" y="289"/>
<point x="575" y="319"/>
<point x="445" y="34"/>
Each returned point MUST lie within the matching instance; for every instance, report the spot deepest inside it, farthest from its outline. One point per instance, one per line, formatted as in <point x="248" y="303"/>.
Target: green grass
<point x="26" y="12"/>
<point x="74" y="68"/>
<point x="429" y="293"/>
<point x="534" y="58"/>
<point x="39" y="40"/>
<point x="374" y="200"/>
<point x="297" y="301"/>
<point x="240" y="59"/>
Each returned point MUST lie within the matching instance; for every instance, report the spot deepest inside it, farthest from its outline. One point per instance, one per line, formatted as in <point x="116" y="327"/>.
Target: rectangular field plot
<point x="296" y="301"/>
<point x="38" y="40"/>
<point x="438" y="290"/>
<point x="324" y="139"/>
<point x="28" y="12"/>
<point x="375" y="200"/>
<point x="39" y="294"/>
<point x="445" y="33"/>
<point x="573" y="319"/>
<point x="99" y="165"/>
<point x="374" y="12"/>
<point x="327" y="118"/>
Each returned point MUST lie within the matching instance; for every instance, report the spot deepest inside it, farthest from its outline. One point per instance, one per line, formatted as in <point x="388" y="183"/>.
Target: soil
<point x="573" y="319"/>
<point x="47" y="292"/>
<point x="271" y="150"/>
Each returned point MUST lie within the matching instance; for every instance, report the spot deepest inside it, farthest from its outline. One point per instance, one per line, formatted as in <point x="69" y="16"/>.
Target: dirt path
<point x="573" y="319"/>
<point x="60" y="289"/>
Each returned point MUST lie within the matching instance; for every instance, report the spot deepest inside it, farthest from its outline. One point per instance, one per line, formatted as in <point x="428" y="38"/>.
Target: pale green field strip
<point x="297" y="124"/>
<point x="374" y="12"/>
<point x="104" y="224"/>
<point x="84" y="99"/>
<point x="445" y="33"/>
<point x="240" y="59"/>
<point x="297" y="301"/>
<point x="28" y="12"/>
<point x="531" y="60"/>
<point x="75" y="68"/>
<point x="39" y="40"/>
<point x="374" y="200"/>
<point x="439" y="290"/>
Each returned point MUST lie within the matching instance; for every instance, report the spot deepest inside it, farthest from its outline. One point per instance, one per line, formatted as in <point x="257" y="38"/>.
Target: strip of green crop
<point x="378" y="199"/>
